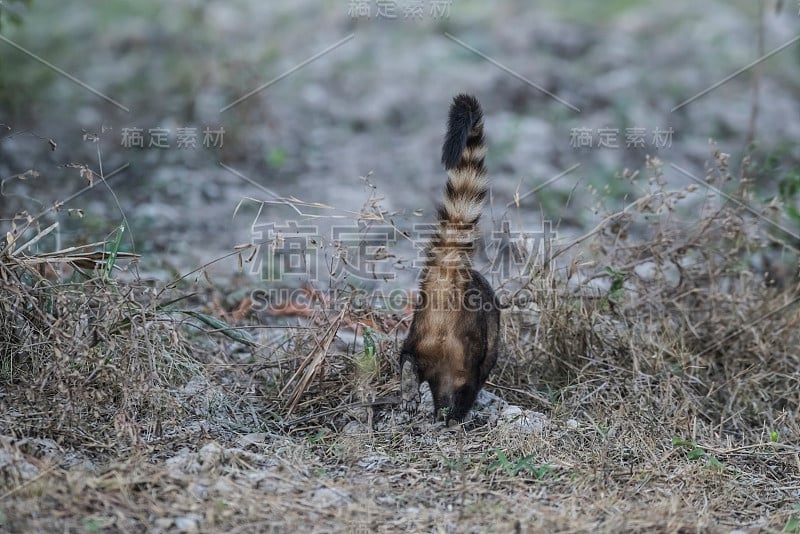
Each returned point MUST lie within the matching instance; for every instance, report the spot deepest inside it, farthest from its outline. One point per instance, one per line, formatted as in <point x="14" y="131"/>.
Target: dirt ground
<point x="651" y="381"/>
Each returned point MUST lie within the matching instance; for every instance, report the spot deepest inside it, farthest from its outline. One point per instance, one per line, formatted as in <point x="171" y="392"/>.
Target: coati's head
<point x="452" y="404"/>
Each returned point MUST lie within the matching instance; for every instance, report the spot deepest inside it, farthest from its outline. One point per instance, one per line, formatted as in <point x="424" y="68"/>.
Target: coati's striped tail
<point x="463" y="153"/>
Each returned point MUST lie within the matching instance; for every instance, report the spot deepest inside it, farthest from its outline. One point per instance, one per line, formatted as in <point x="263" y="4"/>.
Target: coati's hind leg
<point x="409" y="383"/>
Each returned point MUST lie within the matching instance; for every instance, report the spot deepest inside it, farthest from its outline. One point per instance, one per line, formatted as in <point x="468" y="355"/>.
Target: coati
<point x="454" y="338"/>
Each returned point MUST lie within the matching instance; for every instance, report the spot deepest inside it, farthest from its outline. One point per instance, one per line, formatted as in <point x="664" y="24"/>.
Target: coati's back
<point x="455" y="334"/>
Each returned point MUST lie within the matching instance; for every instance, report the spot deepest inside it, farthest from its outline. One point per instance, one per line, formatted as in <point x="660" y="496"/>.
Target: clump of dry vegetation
<point x="687" y="309"/>
<point x="85" y="360"/>
<point x="662" y="345"/>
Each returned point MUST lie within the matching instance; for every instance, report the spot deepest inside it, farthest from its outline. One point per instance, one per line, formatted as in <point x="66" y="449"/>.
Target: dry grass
<point x="662" y="346"/>
<point x="85" y="363"/>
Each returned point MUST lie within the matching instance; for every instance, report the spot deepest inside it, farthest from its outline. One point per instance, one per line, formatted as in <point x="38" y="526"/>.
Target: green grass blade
<point x="227" y="330"/>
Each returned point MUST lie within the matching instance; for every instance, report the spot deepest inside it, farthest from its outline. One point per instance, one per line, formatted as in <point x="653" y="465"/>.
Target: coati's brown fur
<point x="454" y="338"/>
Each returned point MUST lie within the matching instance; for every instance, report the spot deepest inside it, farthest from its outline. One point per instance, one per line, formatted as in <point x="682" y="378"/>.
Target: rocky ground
<point x="637" y="405"/>
<point x="365" y="118"/>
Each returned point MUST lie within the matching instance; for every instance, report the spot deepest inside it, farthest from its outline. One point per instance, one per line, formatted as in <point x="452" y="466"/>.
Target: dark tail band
<point x="464" y="129"/>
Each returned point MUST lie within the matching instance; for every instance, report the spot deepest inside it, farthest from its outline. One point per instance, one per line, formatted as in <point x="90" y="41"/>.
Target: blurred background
<point x="196" y="111"/>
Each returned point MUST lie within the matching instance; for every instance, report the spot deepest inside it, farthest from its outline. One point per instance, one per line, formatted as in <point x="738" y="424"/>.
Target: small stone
<point x="572" y="424"/>
<point x="325" y="497"/>
<point x="210" y="455"/>
<point x="187" y="524"/>
<point x="163" y="522"/>
<point x="524" y="421"/>
<point x="354" y="428"/>
<point x="255" y="438"/>
<point x="184" y="460"/>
